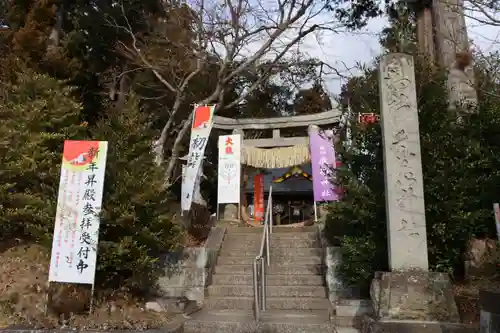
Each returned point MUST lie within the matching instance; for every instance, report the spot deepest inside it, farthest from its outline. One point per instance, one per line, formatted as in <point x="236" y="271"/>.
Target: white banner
<point x="228" y="187"/>
<point x="76" y="230"/>
<point x="184" y="196"/>
<point x="197" y="197"/>
<point x="200" y="132"/>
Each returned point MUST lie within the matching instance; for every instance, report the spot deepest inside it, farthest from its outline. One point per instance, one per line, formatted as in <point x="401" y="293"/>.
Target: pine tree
<point x="135" y="227"/>
<point x="37" y="113"/>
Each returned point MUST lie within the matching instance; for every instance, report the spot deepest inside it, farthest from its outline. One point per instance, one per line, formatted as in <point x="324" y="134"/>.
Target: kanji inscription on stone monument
<point x="405" y="207"/>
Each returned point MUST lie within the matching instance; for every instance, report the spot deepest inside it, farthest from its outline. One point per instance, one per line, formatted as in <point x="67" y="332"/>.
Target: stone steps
<point x="361" y="303"/>
<point x="271" y="280"/>
<point x="276" y="253"/>
<point x="296" y="299"/>
<point x="355" y="322"/>
<point x="243" y="242"/>
<point x="347" y="330"/>
<point x="276" y="229"/>
<point x="353" y="308"/>
<point x="271" y="291"/>
<point x="290" y="260"/>
<point x="272" y="303"/>
<point x="272" y="321"/>
<point x="274" y="235"/>
<point x="305" y="269"/>
<point x="350" y="312"/>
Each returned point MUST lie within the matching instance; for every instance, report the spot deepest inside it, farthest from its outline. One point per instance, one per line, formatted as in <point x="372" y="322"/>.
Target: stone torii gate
<point x="229" y="212"/>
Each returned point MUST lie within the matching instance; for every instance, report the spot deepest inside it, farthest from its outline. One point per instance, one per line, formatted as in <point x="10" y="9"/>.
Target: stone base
<point x="229" y="212"/>
<point x="489" y="301"/>
<point x="413" y="295"/>
<point x="412" y="326"/>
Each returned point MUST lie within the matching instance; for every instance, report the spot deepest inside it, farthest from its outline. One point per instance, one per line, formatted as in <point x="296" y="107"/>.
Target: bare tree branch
<point x="233" y="36"/>
<point x="483" y="11"/>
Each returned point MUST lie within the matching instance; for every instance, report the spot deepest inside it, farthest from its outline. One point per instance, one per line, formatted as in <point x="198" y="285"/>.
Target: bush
<point x="37" y="113"/>
<point x="460" y="170"/>
<point x="135" y="228"/>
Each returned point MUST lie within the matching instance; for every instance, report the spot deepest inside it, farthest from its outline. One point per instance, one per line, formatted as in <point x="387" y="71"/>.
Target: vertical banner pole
<point x="183" y="179"/>
<point x="47" y="297"/>
<point x="91" y="308"/>
<point x="315" y="212"/>
<point x="217" y="212"/>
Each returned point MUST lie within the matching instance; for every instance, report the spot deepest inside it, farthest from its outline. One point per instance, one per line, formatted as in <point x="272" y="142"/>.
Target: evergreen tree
<point x="460" y="176"/>
<point x="37" y="113"/>
<point x="135" y="227"/>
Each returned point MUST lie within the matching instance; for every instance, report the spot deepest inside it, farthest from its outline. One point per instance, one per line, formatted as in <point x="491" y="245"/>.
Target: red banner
<point x="258" y="198"/>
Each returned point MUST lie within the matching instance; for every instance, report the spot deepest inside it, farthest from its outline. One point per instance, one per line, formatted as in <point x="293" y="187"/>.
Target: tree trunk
<point x="172" y="161"/>
<point x="55" y="34"/>
<point x="425" y="36"/>
<point x="450" y="30"/>
<point x="123" y="91"/>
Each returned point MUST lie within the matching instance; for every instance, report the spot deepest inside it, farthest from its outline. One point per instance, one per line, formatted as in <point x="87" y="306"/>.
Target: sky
<point x="343" y="51"/>
<point x="346" y="51"/>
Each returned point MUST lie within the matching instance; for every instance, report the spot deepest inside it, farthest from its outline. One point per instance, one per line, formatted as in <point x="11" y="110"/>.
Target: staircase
<point x="296" y="293"/>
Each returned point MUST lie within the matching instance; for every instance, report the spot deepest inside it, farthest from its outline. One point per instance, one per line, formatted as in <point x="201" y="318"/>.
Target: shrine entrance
<point x="293" y="200"/>
<point x="283" y="163"/>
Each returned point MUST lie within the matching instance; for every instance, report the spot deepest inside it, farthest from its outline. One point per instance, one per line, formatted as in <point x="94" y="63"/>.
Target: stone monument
<point x="409" y="291"/>
<point x="403" y="166"/>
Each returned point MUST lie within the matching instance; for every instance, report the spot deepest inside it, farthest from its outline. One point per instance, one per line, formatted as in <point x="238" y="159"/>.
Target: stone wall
<point x="333" y="282"/>
<point x="188" y="272"/>
<point x="332" y="259"/>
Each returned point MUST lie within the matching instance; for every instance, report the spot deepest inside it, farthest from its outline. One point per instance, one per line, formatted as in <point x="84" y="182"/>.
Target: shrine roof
<point x="290" y="185"/>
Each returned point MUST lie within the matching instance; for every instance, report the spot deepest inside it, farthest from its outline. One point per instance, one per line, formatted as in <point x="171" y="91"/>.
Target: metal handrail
<point x="259" y="269"/>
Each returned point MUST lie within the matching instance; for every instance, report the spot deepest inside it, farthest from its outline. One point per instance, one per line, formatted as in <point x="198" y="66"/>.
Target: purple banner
<point x="323" y="164"/>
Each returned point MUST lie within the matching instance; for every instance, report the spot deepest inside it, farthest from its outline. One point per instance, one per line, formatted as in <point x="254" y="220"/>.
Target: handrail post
<point x="270" y="224"/>
<point x="263" y="284"/>
<point x="270" y="202"/>
<point x="259" y="273"/>
<point x="268" y="257"/>
<point x="256" y="289"/>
